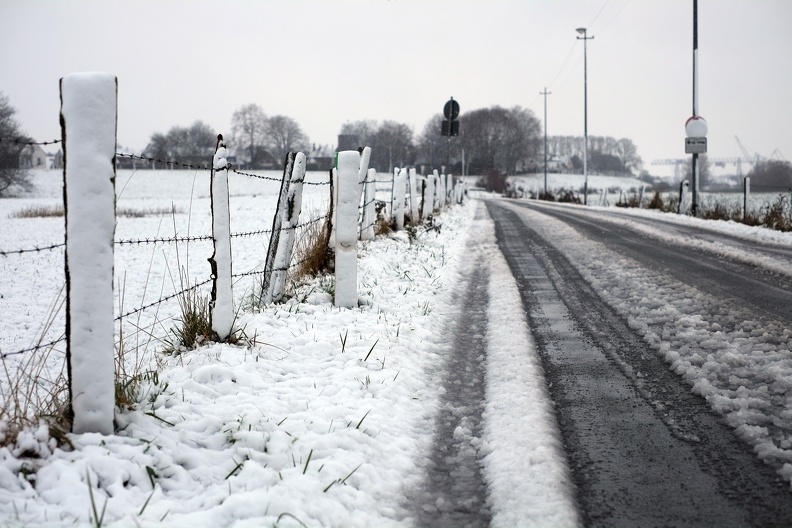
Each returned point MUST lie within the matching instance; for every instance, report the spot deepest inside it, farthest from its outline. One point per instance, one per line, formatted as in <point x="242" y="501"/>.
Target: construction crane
<point x="678" y="163"/>
<point x="752" y="160"/>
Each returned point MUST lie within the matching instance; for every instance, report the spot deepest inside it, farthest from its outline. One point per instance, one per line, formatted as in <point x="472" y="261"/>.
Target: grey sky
<point x="327" y="62"/>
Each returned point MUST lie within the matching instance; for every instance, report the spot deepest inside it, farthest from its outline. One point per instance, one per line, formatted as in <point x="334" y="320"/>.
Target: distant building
<point x="56" y="160"/>
<point x="33" y="157"/>
<point x="348" y="142"/>
<point x="320" y="157"/>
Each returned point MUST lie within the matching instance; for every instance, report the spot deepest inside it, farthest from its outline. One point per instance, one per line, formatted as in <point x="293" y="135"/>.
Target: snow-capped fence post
<point x="368" y="229"/>
<point x="333" y="203"/>
<point x="746" y="195"/>
<point x="348" y="165"/>
<point x="427" y="207"/>
<point x="88" y="127"/>
<point x="641" y="196"/>
<point x="366" y="218"/>
<point x="277" y="224"/>
<point x="291" y="219"/>
<point x="413" y="196"/>
<point x="365" y="156"/>
<point x="399" y="188"/>
<point x="221" y="305"/>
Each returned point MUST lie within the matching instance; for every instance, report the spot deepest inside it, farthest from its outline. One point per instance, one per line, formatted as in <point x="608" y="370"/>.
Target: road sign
<point x="451" y="110"/>
<point x="695" y="145"/>
<point x="696" y="127"/>
<point x="449" y="128"/>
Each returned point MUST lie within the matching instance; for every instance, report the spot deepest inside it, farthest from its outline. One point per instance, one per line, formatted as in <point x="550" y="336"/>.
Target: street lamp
<point x="584" y="38"/>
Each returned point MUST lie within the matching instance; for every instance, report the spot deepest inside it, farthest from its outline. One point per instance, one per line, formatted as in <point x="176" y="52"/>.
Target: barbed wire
<point x="31" y="250"/>
<point x="159" y="240"/>
<point x="251" y="175"/>
<point x="34" y="348"/>
<point x="251" y="233"/>
<point x="166" y="162"/>
<point x="26" y="141"/>
<point x="162" y="300"/>
<point x="271" y="178"/>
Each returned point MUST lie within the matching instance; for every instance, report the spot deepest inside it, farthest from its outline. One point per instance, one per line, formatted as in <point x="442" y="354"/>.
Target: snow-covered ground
<point x="324" y="421"/>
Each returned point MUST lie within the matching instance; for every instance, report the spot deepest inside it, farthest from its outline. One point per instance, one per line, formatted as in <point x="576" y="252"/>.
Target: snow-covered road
<point x="613" y="303"/>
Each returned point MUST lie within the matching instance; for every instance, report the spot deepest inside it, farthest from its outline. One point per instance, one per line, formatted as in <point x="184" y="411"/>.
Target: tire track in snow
<point x="630" y="466"/>
<point x="455" y="492"/>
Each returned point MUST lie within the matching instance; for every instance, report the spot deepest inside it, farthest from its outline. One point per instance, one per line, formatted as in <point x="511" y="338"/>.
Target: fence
<point x="91" y="207"/>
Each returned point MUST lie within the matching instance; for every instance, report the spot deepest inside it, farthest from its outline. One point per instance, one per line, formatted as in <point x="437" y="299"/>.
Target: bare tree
<point x="11" y="146"/>
<point x="193" y="145"/>
<point x="364" y="130"/>
<point x="431" y="145"/>
<point x="500" y="139"/>
<point x="249" y="128"/>
<point x="284" y="135"/>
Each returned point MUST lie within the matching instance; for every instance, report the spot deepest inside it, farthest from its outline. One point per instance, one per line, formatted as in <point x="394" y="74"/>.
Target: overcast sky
<point x="327" y="62"/>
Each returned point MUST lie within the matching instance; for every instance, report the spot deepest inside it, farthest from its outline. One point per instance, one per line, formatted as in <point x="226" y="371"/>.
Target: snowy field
<point x="325" y="421"/>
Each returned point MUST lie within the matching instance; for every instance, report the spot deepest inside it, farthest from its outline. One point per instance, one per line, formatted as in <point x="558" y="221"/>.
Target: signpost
<point x="450" y="125"/>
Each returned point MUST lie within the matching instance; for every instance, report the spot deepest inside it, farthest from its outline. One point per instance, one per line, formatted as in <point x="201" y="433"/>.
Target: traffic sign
<point x="451" y="110"/>
<point x="696" y="127"/>
<point x="695" y="145"/>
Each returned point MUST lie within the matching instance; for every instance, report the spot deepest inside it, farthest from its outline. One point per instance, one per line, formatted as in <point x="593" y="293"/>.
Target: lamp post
<point x="584" y="38"/>
<point x="545" y="93"/>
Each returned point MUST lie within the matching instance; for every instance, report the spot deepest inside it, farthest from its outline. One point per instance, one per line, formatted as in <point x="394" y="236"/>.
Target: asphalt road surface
<point x="643" y="449"/>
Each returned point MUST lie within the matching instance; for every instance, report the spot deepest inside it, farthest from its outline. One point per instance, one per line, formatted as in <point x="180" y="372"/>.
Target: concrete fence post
<point x="348" y="192"/>
<point x="88" y="127"/>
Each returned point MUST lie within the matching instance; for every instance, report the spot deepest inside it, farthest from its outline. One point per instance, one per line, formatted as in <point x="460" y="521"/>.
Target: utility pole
<point x="545" y="94"/>
<point x="585" y="38"/>
<point x="695" y="183"/>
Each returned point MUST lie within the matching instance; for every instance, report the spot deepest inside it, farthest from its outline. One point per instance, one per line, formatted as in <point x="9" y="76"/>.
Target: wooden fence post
<point x="222" y="303"/>
<point x="277" y="222"/>
<point x="746" y="195"/>
<point x="88" y="127"/>
<point x="368" y="229"/>
<point x="399" y="187"/>
<point x="413" y="196"/>
<point x="291" y="219"/>
<point x="428" y="205"/>
<point x="346" y="228"/>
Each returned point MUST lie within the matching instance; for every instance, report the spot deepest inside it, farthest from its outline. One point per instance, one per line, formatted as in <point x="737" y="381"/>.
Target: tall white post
<point x="88" y="118"/>
<point x="346" y="229"/>
<point x="399" y="188"/>
<point x="222" y="302"/>
<point x="413" y="195"/>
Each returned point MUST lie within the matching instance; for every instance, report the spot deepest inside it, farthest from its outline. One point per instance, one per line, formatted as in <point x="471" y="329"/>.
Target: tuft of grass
<point x="383" y="227"/>
<point x="33" y="392"/>
<point x="194" y="327"/>
<point x="313" y="251"/>
<point x="98" y="519"/>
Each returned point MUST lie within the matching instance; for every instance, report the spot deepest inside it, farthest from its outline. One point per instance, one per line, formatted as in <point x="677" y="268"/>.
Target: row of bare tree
<point x="263" y="141"/>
